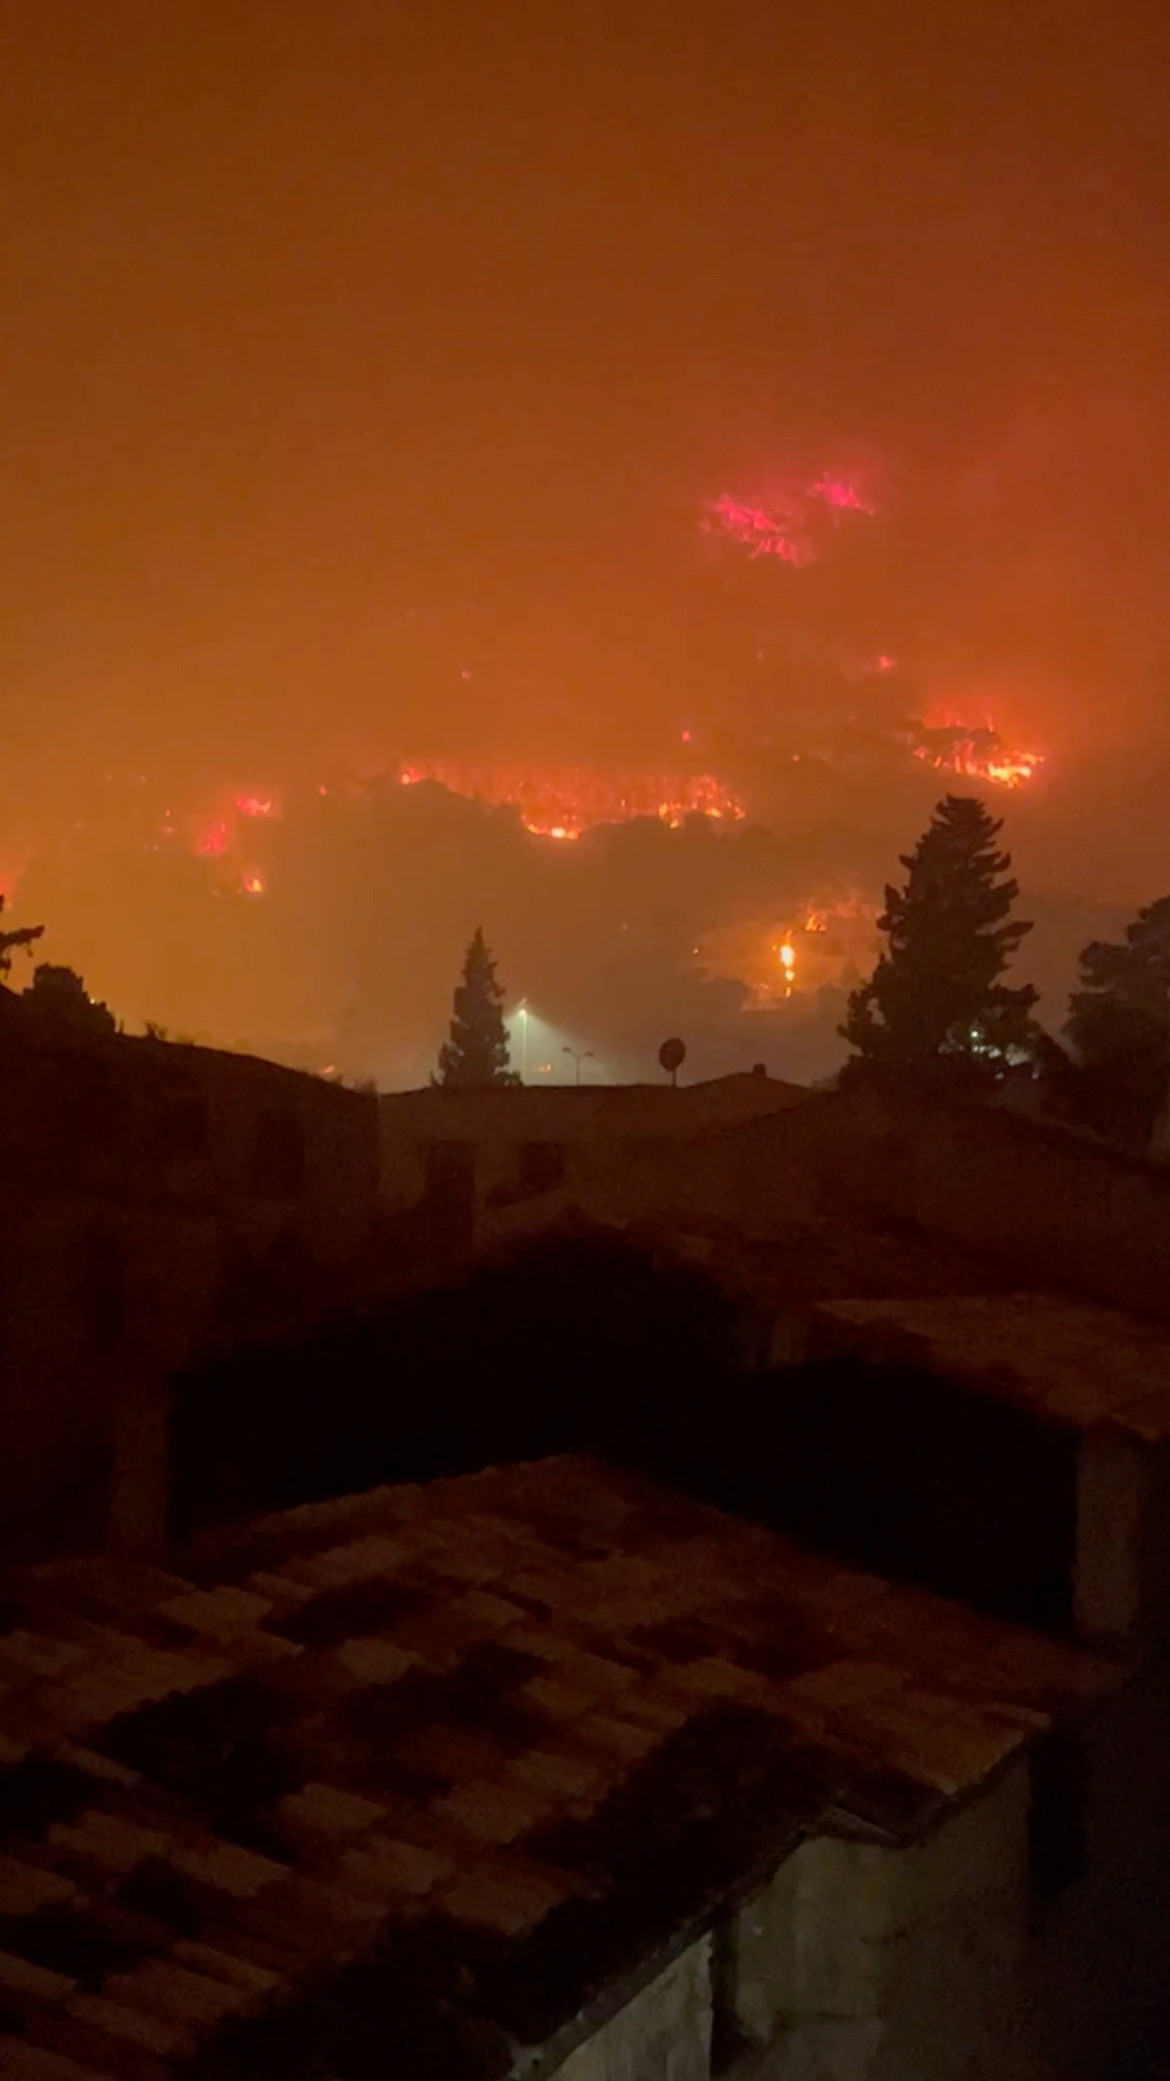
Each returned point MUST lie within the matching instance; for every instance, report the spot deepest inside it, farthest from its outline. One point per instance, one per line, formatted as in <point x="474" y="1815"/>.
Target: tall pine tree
<point x="935" y="1001"/>
<point x="1119" y="1027"/>
<point x="477" y="1051"/>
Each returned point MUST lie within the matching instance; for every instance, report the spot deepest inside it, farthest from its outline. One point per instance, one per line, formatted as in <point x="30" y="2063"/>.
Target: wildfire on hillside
<point x="558" y="802"/>
<point x="787" y="522"/>
<point x="976" y="754"/>
<point x="822" y="947"/>
<point x="563" y="802"/>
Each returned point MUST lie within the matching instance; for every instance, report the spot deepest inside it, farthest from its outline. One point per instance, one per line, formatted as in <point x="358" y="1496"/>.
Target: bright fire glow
<point x="560" y="803"/>
<point x="563" y="802"/>
<point x="834" y="942"/>
<point x="788" y="521"/>
<point x="840" y="493"/>
<point x="257" y="806"/>
<point x="976" y="754"/>
<point x="758" y="529"/>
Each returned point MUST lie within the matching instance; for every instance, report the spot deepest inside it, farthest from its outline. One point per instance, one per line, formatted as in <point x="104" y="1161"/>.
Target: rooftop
<point x="426" y="1771"/>
<point x="818" y="1259"/>
<point x="1079" y="1366"/>
<point x="742" y="1091"/>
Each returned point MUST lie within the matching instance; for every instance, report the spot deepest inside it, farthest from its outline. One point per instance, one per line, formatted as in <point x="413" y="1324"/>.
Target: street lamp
<point x="579" y="1056"/>
<point x="522" y="1015"/>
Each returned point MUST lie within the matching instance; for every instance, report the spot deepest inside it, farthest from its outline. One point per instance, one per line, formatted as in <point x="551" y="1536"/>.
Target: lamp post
<point x="522" y="1015"/>
<point x="579" y="1056"/>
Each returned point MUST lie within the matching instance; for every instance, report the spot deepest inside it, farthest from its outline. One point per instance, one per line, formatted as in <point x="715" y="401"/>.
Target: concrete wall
<point x="664" y="2034"/>
<point x="959" y="1958"/>
<point x="861" y="1963"/>
<point x="976" y="1955"/>
<point x="1118" y="1496"/>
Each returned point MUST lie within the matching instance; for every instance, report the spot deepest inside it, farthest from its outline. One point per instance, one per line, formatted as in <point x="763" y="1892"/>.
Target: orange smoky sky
<point x="368" y="368"/>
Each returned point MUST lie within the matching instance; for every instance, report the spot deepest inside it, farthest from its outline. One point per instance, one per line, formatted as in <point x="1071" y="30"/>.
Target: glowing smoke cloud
<point x="785" y="524"/>
<point x="258" y="806"/>
<point x="841" y="494"/>
<point x="760" y="532"/>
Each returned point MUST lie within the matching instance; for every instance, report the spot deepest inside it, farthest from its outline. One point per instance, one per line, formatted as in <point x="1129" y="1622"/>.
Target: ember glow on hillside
<point x="840" y="493"/>
<point x="761" y="530"/>
<point x="823" y="946"/>
<point x="979" y="754"/>
<point x="563" y="802"/>
<point x="792" y="522"/>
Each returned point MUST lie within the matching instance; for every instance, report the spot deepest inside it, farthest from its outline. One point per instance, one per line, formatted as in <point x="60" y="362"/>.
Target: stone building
<point x="1093" y="1387"/>
<point x="504" y="1144"/>
<point x="550" y="1771"/>
<point x="139" y="1183"/>
<point x="1053" y="1207"/>
<point x="1008" y="1446"/>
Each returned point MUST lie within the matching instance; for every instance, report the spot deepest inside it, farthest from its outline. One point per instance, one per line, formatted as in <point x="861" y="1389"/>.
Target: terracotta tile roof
<point x="1079" y="1366"/>
<point x="417" y="1774"/>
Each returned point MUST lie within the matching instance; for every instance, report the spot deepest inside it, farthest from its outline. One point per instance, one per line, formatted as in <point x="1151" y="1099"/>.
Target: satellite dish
<point x="672" y="1055"/>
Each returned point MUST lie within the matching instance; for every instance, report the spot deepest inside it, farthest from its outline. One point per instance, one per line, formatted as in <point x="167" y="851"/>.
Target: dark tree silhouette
<point x="477" y="1051"/>
<point x="58" y="998"/>
<point x="10" y="942"/>
<point x="1119" y="1027"/>
<point x="935" y="1001"/>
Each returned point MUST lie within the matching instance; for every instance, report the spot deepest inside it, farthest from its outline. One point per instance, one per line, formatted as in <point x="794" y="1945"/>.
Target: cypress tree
<point x="476" y="1052"/>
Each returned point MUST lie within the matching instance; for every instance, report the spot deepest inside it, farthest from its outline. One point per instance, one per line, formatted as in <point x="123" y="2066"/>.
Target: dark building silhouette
<point x="142" y="1186"/>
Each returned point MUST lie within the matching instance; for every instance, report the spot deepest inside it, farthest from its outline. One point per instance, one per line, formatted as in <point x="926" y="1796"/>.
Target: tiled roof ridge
<point x="453" y="1760"/>
<point x="981" y="1340"/>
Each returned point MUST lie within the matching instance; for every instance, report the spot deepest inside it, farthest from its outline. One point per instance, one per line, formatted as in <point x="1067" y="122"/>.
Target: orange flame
<point x="563" y="803"/>
<point x="977" y="753"/>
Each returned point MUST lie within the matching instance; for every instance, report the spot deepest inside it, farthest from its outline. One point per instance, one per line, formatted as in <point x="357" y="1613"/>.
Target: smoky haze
<point x="371" y="376"/>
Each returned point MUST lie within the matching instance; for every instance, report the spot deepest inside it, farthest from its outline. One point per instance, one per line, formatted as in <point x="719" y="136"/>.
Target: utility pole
<point x="579" y="1056"/>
